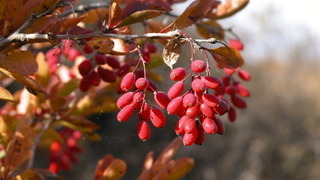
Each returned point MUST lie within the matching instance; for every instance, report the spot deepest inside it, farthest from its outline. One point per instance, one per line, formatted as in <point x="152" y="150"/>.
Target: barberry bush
<point x="74" y="60"/>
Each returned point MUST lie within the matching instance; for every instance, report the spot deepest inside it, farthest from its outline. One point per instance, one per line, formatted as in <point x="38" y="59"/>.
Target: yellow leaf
<point x="101" y="44"/>
<point x="43" y="74"/>
<point x="95" y="16"/>
<point x="116" y="170"/>
<point x="22" y="62"/>
<point x="6" y="95"/>
<point x="227" y="57"/>
<point x="138" y="17"/>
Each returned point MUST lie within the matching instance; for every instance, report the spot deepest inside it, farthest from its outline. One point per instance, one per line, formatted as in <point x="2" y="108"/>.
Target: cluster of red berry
<point x="62" y="155"/>
<point x="198" y="108"/>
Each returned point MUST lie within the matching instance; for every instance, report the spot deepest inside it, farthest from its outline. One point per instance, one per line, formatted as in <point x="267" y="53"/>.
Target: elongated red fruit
<point x="137" y="99"/>
<point x="207" y="110"/>
<point x="189" y="138"/>
<point x="128" y="81"/>
<point x="222" y="108"/>
<point x="219" y="124"/>
<point x="232" y="114"/>
<point x="210" y="100"/>
<point x="242" y="90"/>
<point x="189" y="125"/>
<point x="125" y="99"/>
<point x="193" y="111"/>
<point x="107" y="75"/>
<point x="179" y="127"/>
<point x="209" y="126"/>
<point x="198" y="85"/>
<point x="125" y="113"/>
<point x="144" y="113"/>
<point x="176" y="89"/>
<point x="201" y="136"/>
<point x="238" y="102"/>
<point x="157" y="117"/>
<point x="162" y="99"/>
<point x="236" y="44"/>
<point x="85" y="67"/>
<point x="198" y="66"/>
<point x="143" y="130"/>
<point x="178" y="74"/>
<point x="175" y="105"/>
<point x="212" y="82"/>
<point x="189" y="100"/>
<point x="142" y="83"/>
<point x="245" y="75"/>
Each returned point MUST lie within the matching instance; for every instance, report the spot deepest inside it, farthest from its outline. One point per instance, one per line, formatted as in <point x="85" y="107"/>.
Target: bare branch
<point x="85" y="7"/>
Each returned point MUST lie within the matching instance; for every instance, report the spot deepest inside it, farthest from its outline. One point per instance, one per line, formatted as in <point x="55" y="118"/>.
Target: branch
<point x="128" y="38"/>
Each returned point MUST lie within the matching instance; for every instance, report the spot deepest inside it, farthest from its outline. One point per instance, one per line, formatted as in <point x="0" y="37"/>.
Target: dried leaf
<point x="101" y="44"/>
<point x="30" y="174"/>
<point x="19" y="148"/>
<point x="30" y="83"/>
<point x="22" y="62"/>
<point x="147" y="166"/>
<point x="138" y="17"/>
<point x="115" y="14"/>
<point x="171" y="52"/>
<point x="227" y="57"/>
<point x="116" y="170"/>
<point x="102" y="165"/>
<point x="176" y="169"/>
<point x="6" y="95"/>
<point x="195" y="11"/>
<point x="210" y="29"/>
<point x="45" y="25"/>
<point x="95" y="16"/>
<point x="166" y="155"/>
<point x="229" y="8"/>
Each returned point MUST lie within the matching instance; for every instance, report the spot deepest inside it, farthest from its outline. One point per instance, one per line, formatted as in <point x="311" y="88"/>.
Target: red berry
<point x="87" y="49"/>
<point x="210" y="100"/>
<point x="236" y="44"/>
<point x="54" y="167"/>
<point x="179" y="127"/>
<point x="198" y="66"/>
<point x="207" y="110"/>
<point x="209" y="126"/>
<point x="226" y="80"/>
<point x="85" y="83"/>
<point x="157" y="117"/>
<point x="125" y="100"/>
<point x="162" y="99"/>
<point x="55" y="146"/>
<point x="67" y="46"/>
<point x="146" y="56"/>
<point x="107" y="75"/>
<point x="189" y="100"/>
<point x="113" y="62"/>
<point x="65" y="163"/>
<point x="71" y="142"/>
<point x="151" y="47"/>
<point x="142" y="83"/>
<point x="128" y="81"/>
<point x="143" y="130"/>
<point x="175" y="105"/>
<point x="189" y="125"/>
<point x="238" y="102"/>
<point x="193" y="111"/>
<point x="178" y="74"/>
<point x="231" y="89"/>
<point x="219" y="124"/>
<point x="100" y="59"/>
<point x="245" y="75"/>
<point x="222" y="108"/>
<point x="123" y="70"/>
<point x="201" y="136"/>
<point x="94" y="77"/>
<point x="176" y="89"/>
<point x="242" y="90"/>
<point x="229" y="71"/>
<point x="212" y="82"/>
<point x="144" y="113"/>
<point x="125" y="113"/>
<point x="73" y="54"/>
<point x="189" y="138"/>
<point x="198" y="85"/>
<point x="232" y="114"/>
<point x="76" y="135"/>
<point x="85" y="67"/>
<point x="137" y="99"/>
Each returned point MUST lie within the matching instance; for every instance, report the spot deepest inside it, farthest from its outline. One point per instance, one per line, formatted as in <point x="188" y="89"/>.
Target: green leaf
<point x="69" y="87"/>
<point x="6" y="95"/>
<point x="227" y="57"/>
<point x="138" y="17"/>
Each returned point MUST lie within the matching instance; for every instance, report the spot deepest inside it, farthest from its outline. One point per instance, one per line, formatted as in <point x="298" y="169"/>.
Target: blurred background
<point x="277" y="137"/>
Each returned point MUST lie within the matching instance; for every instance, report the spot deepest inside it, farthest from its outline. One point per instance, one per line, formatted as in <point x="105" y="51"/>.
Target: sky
<point x="276" y="27"/>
